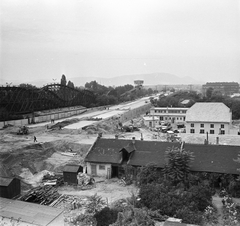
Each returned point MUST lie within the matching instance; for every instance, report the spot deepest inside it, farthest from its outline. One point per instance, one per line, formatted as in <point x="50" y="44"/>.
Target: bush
<point x="172" y="200"/>
<point x="133" y="217"/>
<point x="106" y="216"/>
<point x="189" y="216"/>
<point x="148" y="174"/>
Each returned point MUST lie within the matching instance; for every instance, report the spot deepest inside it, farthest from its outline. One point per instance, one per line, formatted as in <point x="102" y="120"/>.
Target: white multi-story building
<point x="169" y="114"/>
<point x="166" y="114"/>
<point x="212" y="118"/>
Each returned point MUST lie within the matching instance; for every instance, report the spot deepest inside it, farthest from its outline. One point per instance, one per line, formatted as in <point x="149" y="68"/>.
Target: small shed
<point x="70" y="173"/>
<point x="9" y="187"/>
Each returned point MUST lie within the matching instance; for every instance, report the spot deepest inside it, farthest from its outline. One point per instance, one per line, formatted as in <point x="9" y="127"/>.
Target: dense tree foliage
<point x="114" y="95"/>
<point x="177" y="168"/>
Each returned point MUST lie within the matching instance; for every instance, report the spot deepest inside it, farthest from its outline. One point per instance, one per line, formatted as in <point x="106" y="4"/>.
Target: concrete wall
<point x="136" y="112"/>
<point x="100" y="172"/>
<point x="42" y="118"/>
<point x="197" y="127"/>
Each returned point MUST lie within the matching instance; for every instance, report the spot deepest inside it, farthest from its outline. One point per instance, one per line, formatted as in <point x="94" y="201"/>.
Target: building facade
<point x="109" y="157"/>
<point x="226" y="88"/>
<point x="211" y="118"/>
<point x="167" y="114"/>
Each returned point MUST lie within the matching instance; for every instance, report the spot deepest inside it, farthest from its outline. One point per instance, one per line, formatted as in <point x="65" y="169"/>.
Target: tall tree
<point x="63" y="80"/>
<point x="178" y="164"/>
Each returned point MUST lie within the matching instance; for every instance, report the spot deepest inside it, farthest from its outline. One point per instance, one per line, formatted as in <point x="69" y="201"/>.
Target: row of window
<point x="171" y="111"/>
<point x="161" y="118"/>
<point x="211" y="131"/>
<point x="211" y="125"/>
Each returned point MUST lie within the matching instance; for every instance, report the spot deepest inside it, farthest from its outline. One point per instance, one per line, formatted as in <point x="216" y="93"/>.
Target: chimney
<point x="133" y="140"/>
<point x="217" y="140"/>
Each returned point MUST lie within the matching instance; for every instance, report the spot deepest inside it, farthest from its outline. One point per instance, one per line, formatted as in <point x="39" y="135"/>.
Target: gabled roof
<point x="129" y="148"/>
<point x="208" y="112"/>
<point x="207" y="158"/>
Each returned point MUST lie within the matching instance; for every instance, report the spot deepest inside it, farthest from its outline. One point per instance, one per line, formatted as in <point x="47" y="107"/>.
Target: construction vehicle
<point x="23" y="130"/>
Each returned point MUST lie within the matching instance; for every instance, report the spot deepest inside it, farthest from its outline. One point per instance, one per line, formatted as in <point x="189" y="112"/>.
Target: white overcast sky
<point x="43" y="39"/>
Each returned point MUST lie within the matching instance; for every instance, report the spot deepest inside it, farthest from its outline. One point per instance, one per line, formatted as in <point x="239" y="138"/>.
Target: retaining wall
<point x="43" y="118"/>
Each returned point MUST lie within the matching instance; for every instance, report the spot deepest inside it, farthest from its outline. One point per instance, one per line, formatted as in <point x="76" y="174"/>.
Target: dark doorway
<point x="114" y="171"/>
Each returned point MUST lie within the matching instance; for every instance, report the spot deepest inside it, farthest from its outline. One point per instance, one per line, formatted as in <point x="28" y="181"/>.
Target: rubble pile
<point x="84" y="180"/>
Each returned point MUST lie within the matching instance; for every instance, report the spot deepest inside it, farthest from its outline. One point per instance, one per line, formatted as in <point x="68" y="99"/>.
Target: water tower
<point x="138" y="83"/>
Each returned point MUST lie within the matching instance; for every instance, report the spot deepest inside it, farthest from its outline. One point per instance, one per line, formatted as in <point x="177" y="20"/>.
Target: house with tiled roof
<point x="107" y="157"/>
<point x="211" y="118"/>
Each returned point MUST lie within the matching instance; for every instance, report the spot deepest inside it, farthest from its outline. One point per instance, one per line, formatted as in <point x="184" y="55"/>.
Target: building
<point x="107" y="157"/>
<point x="10" y="187"/>
<point x="226" y="88"/>
<point x="70" y="173"/>
<point x="167" y="114"/>
<point x="211" y="117"/>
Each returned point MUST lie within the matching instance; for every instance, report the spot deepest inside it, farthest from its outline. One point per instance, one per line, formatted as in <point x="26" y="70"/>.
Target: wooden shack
<point x="70" y="173"/>
<point x="9" y="187"/>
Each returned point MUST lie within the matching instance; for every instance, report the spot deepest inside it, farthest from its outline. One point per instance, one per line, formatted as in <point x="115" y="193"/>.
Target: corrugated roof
<point x="5" y="181"/>
<point x="71" y="168"/>
<point x="208" y="158"/>
<point x="208" y="112"/>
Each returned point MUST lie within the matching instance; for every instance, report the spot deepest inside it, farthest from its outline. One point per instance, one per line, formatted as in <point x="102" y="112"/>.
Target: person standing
<point x="35" y="139"/>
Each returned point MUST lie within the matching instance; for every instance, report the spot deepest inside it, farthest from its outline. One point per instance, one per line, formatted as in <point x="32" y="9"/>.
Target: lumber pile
<point x="43" y="195"/>
<point x="52" y="179"/>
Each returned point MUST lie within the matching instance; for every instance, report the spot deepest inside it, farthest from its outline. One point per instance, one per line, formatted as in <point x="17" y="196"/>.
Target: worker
<point x="35" y="139"/>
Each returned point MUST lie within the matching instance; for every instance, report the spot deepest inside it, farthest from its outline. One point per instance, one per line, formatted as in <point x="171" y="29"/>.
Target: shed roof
<point x="71" y="168"/>
<point x="5" y="181"/>
<point x="207" y="158"/>
<point x="208" y="112"/>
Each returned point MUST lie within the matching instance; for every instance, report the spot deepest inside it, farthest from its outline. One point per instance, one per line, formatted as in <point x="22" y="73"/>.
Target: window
<point x="211" y="125"/>
<point x="202" y="125"/>
<point x="222" y="131"/>
<point x="102" y="167"/>
<point x="211" y="131"/>
<point x="161" y="118"/>
<point x="222" y="125"/>
<point x="192" y="131"/>
<point x="201" y="130"/>
<point x="192" y="125"/>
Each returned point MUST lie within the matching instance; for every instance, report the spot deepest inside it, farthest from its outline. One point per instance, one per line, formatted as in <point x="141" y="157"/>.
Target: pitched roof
<point x="5" y="181"/>
<point x="129" y="148"/>
<point x="71" y="168"/>
<point x="208" y="112"/>
<point x="208" y="158"/>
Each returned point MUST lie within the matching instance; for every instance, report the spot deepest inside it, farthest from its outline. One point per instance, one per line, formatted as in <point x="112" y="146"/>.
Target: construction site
<point x="48" y="160"/>
<point x="38" y="155"/>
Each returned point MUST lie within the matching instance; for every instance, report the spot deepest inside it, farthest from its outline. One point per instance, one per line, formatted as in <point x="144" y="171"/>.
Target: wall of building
<point x="207" y="127"/>
<point x="100" y="172"/>
<point x="173" y="115"/>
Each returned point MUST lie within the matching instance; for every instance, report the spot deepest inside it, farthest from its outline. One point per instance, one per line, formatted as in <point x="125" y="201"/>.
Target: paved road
<point x="106" y="113"/>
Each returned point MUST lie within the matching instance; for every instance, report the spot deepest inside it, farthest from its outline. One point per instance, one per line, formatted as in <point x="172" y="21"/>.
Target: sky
<point x="43" y="39"/>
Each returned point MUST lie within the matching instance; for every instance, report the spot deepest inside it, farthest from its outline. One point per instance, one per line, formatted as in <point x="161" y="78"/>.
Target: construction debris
<point x="84" y="179"/>
<point x="23" y="130"/>
<point x="43" y="195"/>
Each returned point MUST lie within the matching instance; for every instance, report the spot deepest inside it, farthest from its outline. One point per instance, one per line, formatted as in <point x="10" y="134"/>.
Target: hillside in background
<point x="149" y="79"/>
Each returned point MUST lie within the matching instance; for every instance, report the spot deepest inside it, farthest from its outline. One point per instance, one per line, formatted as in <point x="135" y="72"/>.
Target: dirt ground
<point x="22" y="157"/>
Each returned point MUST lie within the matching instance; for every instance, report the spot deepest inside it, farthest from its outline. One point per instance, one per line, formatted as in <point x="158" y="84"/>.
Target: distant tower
<point x="138" y="83"/>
